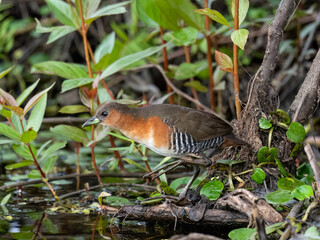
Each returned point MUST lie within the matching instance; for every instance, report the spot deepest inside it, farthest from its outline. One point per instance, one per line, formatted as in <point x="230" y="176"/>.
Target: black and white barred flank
<point x="183" y="143"/>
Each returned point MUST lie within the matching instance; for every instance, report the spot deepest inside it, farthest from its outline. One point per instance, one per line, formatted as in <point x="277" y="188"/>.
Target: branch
<point x="308" y="95"/>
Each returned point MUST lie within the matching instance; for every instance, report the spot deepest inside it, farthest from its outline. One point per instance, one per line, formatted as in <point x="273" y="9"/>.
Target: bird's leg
<point x="167" y="168"/>
<point x="196" y="171"/>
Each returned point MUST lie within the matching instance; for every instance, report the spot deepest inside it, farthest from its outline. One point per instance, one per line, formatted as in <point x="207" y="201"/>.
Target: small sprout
<point x="265" y="123"/>
<point x="258" y="176"/>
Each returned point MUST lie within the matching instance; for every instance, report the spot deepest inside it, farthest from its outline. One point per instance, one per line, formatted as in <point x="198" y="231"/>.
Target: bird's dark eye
<point x="104" y="113"/>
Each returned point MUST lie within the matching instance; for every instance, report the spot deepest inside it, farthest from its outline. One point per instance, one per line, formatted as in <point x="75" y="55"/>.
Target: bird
<point x="170" y="130"/>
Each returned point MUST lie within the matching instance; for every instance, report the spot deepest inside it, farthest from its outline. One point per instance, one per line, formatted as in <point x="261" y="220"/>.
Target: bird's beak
<point x="91" y="121"/>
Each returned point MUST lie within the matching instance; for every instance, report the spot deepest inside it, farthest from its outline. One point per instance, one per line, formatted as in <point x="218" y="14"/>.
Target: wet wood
<point x="171" y="213"/>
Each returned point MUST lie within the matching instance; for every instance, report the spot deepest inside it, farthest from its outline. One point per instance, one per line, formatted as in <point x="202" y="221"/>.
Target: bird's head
<point x="107" y="114"/>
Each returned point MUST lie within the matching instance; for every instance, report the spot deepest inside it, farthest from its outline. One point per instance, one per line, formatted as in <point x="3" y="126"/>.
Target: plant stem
<point x="188" y="60"/>
<point x="77" y="148"/>
<point x="117" y="154"/>
<point x="93" y="157"/>
<point x="85" y="40"/>
<point x="209" y="60"/>
<point x="270" y="137"/>
<point x="235" y="63"/>
<point x="165" y="62"/>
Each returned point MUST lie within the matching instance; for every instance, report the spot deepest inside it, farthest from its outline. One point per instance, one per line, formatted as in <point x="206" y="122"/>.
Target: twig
<point x="108" y="185"/>
<point x="314" y="165"/>
<point x="235" y="63"/>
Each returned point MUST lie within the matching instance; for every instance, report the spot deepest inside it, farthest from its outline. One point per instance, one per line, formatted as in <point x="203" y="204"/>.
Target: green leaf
<point x="24" y="163"/>
<point x="5" y="199"/>
<point x="133" y="163"/>
<point x="71" y="109"/>
<point x="5" y="72"/>
<point x="289" y="183"/>
<point x="120" y="136"/>
<point x="74" y="83"/>
<point x="35" y="99"/>
<point x="23" y="151"/>
<point x="10" y="101"/>
<point x="72" y="133"/>
<point x="283" y="116"/>
<point x="303" y="192"/>
<point x="214" y="15"/>
<point x="26" y="93"/>
<point x="242" y="234"/>
<point x="49" y="163"/>
<point x="265" y="123"/>
<point x="224" y="61"/>
<point x="62" y="11"/>
<point x="185" y="71"/>
<point x="182" y="37"/>
<point x="281" y="167"/>
<point x="28" y="136"/>
<point x="175" y="184"/>
<point x="61" y="69"/>
<point x="311" y="233"/>
<point x="9" y="132"/>
<point x="239" y="37"/>
<point x="279" y="197"/>
<point x="105" y="47"/>
<point x="6" y="113"/>
<point x="212" y="190"/>
<point x="129" y="59"/>
<point x="37" y="114"/>
<point x="296" y="132"/>
<point x="117" y="201"/>
<point x="110" y="9"/>
<point x="274" y="227"/>
<point x="267" y="155"/>
<point x="229" y="162"/>
<point x="55" y="32"/>
<point x="53" y="148"/>
<point x="243" y="9"/>
<point x="258" y="175"/>
<point x="196" y="85"/>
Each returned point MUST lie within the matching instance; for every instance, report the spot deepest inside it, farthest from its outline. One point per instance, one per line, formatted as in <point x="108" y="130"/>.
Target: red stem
<point x="235" y="63"/>
<point x="165" y="62"/>
<point x="209" y="60"/>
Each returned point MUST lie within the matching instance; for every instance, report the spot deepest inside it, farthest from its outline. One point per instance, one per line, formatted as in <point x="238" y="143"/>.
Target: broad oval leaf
<point x="212" y="190"/>
<point x="303" y="192"/>
<point x="239" y="37"/>
<point x="279" y="197"/>
<point x="71" y="109"/>
<point x="23" y="151"/>
<point x="72" y="133"/>
<point x="242" y="233"/>
<point x="258" y="176"/>
<point x="265" y="123"/>
<point x="214" y="15"/>
<point x="35" y="99"/>
<point x="185" y="71"/>
<point x="289" y="183"/>
<point x="224" y="61"/>
<point x="196" y="85"/>
<point x="9" y="132"/>
<point x="182" y="37"/>
<point x="296" y="132"/>
<point x="62" y="69"/>
<point x="28" y="136"/>
<point x="37" y="114"/>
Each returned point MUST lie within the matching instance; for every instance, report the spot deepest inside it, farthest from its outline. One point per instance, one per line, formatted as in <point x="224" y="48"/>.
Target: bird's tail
<point x="232" y="140"/>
